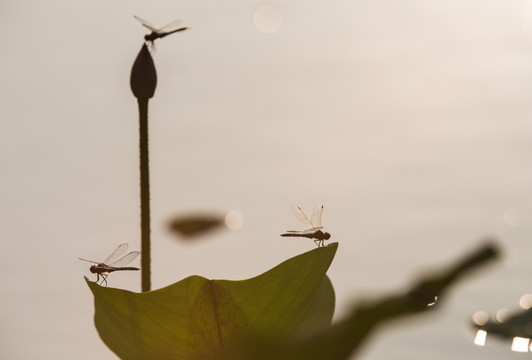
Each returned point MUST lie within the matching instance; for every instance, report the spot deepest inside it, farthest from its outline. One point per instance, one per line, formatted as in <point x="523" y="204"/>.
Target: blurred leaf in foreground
<point x="342" y="339"/>
<point x="194" y="225"/>
<point x="197" y="318"/>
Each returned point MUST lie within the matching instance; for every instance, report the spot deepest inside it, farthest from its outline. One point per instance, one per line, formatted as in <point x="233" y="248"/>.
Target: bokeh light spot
<point x="501" y="315"/>
<point x="267" y="18"/>
<point x="526" y="301"/>
<point x="520" y="344"/>
<point x="480" y="338"/>
<point x="480" y="318"/>
<point x="234" y="220"/>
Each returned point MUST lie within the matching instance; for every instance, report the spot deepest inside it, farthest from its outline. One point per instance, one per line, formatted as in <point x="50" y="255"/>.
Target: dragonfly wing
<point x="94" y="262"/>
<point x="145" y="23"/>
<point x="306" y="232"/>
<point x="170" y="27"/>
<point x="119" y="251"/>
<point x="312" y="230"/>
<point x="126" y="259"/>
<point x="300" y="215"/>
<point x="316" y="216"/>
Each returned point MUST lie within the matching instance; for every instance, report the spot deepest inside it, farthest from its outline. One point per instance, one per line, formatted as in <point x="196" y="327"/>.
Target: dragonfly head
<point x="93" y="269"/>
<point x="326" y="236"/>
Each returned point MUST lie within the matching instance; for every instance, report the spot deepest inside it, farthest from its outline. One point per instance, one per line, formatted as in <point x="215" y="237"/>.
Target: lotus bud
<point x="143" y="75"/>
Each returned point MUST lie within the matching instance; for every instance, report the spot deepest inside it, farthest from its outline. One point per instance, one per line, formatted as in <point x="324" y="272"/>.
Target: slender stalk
<point x="145" y="256"/>
<point x="143" y="82"/>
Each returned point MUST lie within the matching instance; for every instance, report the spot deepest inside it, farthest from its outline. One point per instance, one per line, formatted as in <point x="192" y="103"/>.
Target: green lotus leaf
<point x="198" y="318"/>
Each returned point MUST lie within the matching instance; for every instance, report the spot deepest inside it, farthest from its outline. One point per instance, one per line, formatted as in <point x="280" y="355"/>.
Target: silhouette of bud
<point x="143" y="75"/>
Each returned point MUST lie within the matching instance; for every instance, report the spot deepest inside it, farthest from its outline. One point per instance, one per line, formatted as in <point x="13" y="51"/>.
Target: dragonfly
<point x="161" y="32"/>
<point x="314" y="230"/>
<point x="118" y="265"/>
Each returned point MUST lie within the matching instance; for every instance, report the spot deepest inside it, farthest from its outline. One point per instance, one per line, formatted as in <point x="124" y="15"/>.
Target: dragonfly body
<point x="159" y="33"/>
<point x="314" y="232"/>
<point x="318" y="235"/>
<point x="155" y="35"/>
<point x="101" y="268"/>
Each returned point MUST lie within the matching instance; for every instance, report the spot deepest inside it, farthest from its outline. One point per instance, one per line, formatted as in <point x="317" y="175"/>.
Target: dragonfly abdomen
<point x="310" y="236"/>
<point x="155" y="35"/>
<point x="102" y="268"/>
<point x="319" y="235"/>
<point x="110" y="269"/>
<point x="127" y="268"/>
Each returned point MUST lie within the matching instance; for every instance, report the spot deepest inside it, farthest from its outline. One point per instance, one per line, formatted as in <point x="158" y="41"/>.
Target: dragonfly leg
<point x="151" y="46"/>
<point x="104" y="278"/>
<point x="317" y="242"/>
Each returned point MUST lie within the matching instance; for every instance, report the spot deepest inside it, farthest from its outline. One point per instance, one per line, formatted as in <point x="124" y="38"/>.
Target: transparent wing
<point x="170" y="27"/>
<point x="316" y="216"/>
<point x="126" y="259"/>
<point x="304" y="232"/>
<point x="119" y="251"/>
<point x="145" y="23"/>
<point x="300" y="215"/>
<point x="94" y="262"/>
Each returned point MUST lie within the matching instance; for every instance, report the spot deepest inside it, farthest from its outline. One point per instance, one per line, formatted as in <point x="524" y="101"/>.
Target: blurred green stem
<point x="144" y="196"/>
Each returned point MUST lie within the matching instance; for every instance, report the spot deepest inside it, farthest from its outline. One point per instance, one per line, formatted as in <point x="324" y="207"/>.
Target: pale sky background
<point x="410" y="121"/>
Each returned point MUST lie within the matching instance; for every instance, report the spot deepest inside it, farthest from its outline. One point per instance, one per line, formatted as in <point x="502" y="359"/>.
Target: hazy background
<point x="410" y="121"/>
